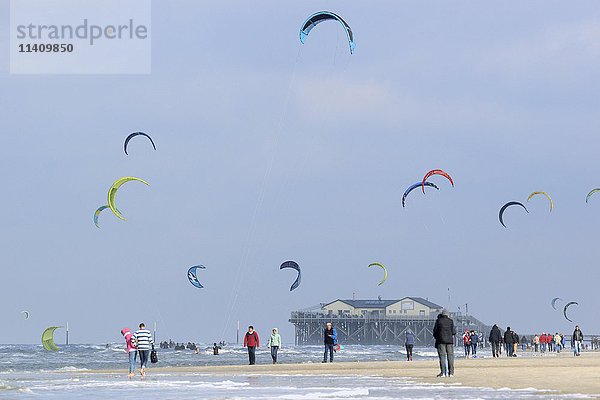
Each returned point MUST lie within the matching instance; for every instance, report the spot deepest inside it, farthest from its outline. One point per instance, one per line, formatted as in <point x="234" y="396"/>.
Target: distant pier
<point x="372" y="322"/>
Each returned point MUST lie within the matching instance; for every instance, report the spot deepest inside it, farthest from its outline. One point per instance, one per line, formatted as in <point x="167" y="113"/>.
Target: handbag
<point x="153" y="356"/>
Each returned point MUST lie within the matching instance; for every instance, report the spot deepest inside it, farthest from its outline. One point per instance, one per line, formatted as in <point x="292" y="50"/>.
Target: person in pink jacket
<point x="131" y="350"/>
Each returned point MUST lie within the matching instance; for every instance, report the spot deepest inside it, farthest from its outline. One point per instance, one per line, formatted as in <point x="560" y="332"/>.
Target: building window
<point x="421" y="312"/>
<point x="394" y="311"/>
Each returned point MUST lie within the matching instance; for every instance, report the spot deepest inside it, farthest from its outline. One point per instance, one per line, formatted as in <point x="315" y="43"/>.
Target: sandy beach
<point x="554" y="372"/>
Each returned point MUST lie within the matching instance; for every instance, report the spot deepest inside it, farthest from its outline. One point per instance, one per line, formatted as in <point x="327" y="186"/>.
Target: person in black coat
<point x="576" y="341"/>
<point x="495" y="339"/>
<point x="443" y="333"/>
<point x="509" y="341"/>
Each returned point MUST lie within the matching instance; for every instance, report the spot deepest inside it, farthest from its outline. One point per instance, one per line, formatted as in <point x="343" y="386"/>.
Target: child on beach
<point x="131" y="350"/>
<point x="467" y="343"/>
<point x="274" y="344"/>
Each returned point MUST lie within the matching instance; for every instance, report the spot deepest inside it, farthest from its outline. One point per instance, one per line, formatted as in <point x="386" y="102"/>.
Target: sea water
<point x="30" y="372"/>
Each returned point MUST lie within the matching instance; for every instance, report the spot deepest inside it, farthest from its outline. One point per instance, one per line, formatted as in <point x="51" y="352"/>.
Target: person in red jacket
<point x="543" y="342"/>
<point x="252" y="342"/>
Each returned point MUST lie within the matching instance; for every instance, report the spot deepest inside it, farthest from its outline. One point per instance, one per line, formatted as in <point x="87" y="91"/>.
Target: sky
<point x="269" y="150"/>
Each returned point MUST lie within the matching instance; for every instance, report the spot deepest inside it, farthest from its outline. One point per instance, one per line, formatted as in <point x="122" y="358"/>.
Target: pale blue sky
<point x="503" y="95"/>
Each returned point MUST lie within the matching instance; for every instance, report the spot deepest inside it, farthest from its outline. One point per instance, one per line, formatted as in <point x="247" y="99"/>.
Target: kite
<point x="591" y="193"/>
<point x="112" y="192"/>
<point x="293" y="265"/>
<point x="321" y="16"/>
<point x="48" y="338"/>
<point x="569" y="304"/>
<point x="504" y="207"/>
<point x="545" y="194"/>
<point x="436" y="172"/>
<point x="193" y="277"/>
<point x="414" y="186"/>
<point x="134" y="134"/>
<point x="554" y="300"/>
<point x="97" y="214"/>
<point x="384" y="271"/>
<point x="26" y="314"/>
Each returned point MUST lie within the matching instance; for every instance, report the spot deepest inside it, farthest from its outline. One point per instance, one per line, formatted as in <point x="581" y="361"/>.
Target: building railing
<point x="296" y="315"/>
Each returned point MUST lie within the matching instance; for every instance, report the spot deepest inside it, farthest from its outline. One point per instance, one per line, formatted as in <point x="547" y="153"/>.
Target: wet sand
<point x="563" y="372"/>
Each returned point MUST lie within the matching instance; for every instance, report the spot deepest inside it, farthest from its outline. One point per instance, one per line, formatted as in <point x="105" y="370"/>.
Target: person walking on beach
<point x="145" y="343"/>
<point x="495" y="338"/>
<point x="557" y="342"/>
<point x="467" y="343"/>
<point x="536" y="343"/>
<point x="444" y="333"/>
<point x="274" y="344"/>
<point x="251" y="341"/>
<point x="216" y="349"/>
<point x="509" y="342"/>
<point x="543" y="342"/>
<point x="409" y="343"/>
<point x="330" y="340"/>
<point x="501" y="344"/>
<point x="516" y="340"/>
<point x="524" y="343"/>
<point x="474" y="342"/>
<point x="577" y="340"/>
<point x="131" y="350"/>
<point x="550" y="342"/>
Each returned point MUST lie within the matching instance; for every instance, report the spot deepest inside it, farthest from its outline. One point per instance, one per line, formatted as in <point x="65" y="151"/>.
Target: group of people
<point x="509" y="340"/>
<point x="444" y="332"/>
<point x="252" y="342"/>
<point x="182" y="346"/>
<point x="557" y="342"/>
<point x="546" y="342"/>
<point x="138" y="343"/>
<point x="470" y="341"/>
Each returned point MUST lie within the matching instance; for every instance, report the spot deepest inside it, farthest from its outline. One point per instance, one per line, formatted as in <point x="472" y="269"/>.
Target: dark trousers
<point x="328" y="348"/>
<point x="143" y="357"/>
<point x="474" y="348"/>
<point x="409" y="348"/>
<point x="252" y="354"/>
<point x="274" y="350"/>
<point x="495" y="349"/>
<point x="446" y="355"/>
<point x="510" y="349"/>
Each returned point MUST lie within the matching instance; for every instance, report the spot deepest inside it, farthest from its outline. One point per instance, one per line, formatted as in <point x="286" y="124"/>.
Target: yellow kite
<point x="112" y="192"/>
<point x="384" y="271"/>
<point x="545" y="194"/>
